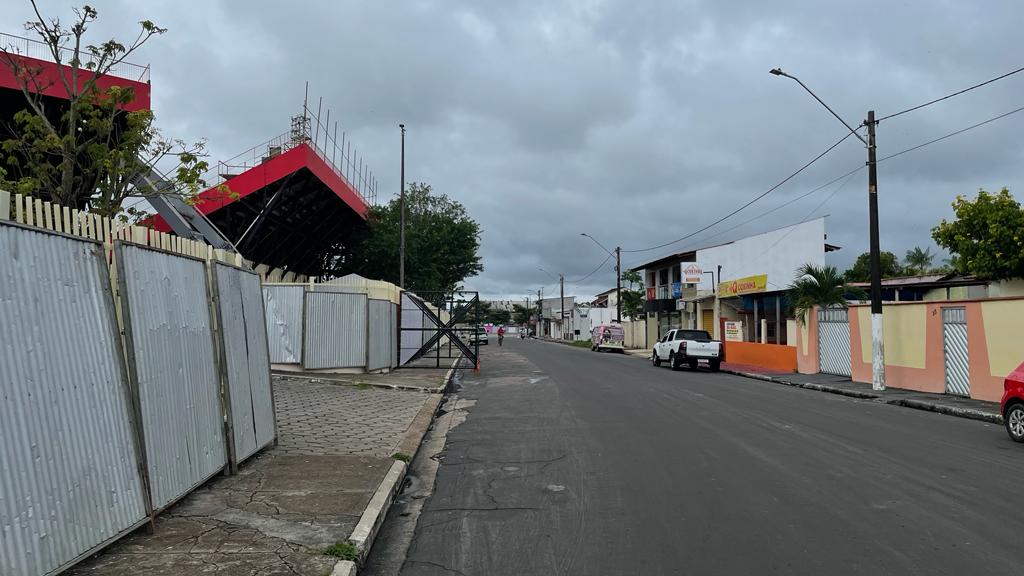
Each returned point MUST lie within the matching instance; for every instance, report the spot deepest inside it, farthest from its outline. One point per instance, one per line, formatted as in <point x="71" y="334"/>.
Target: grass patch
<point x="582" y="343"/>
<point x="343" y="550"/>
<point x="401" y="456"/>
<point x="362" y="386"/>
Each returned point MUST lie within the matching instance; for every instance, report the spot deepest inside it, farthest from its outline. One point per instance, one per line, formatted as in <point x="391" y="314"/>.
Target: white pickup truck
<point x="678" y="347"/>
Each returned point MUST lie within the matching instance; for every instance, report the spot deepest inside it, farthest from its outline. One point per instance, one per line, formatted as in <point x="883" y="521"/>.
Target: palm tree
<point x="819" y="286"/>
<point x="919" y="261"/>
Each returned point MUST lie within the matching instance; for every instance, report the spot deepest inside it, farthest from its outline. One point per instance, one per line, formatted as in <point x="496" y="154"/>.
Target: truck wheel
<point x="675" y="361"/>
<point x="1014" y="419"/>
<point x="715" y="365"/>
<point x="654" y="358"/>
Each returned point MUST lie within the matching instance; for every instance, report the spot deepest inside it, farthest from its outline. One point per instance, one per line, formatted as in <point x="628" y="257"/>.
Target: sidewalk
<point x="942" y="403"/>
<point x="327" y="483"/>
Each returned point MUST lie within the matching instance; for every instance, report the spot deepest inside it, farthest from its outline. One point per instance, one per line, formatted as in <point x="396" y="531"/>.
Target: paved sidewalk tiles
<point x="290" y="502"/>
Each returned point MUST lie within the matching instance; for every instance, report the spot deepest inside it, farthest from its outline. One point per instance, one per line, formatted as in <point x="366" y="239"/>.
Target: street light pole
<point x="401" y="208"/>
<point x="877" y="336"/>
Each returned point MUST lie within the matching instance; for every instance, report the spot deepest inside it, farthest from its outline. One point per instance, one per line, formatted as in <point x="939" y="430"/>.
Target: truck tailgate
<point x="702" y="349"/>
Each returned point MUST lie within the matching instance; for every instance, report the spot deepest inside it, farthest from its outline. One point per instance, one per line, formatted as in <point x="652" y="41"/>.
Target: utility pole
<point x="401" y="208"/>
<point x="618" y="284"/>
<point x="561" y="303"/>
<point x="877" y="347"/>
<point x="877" y="341"/>
<point x="540" y="312"/>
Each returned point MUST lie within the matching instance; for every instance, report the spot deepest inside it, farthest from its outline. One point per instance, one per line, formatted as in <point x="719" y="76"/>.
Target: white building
<point x="739" y="281"/>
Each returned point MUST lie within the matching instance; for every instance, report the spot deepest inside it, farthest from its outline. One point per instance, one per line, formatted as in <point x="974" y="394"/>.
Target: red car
<point x="1012" y="405"/>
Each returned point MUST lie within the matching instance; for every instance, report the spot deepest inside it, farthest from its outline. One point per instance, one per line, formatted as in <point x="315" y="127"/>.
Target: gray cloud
<point x="637" y="122"/>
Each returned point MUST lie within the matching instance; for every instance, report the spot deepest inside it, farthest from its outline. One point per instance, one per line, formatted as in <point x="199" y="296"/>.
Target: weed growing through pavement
<point x="343" y="550"/>
<point x="401" y="456"/>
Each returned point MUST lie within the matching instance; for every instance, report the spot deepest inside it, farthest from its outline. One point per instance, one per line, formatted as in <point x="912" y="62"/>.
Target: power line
<point x="755" y="199"/>
<point x="946" y="97"/>
<point x="811" y="213"/>
<point x="594" y="271"/>
<point x="951" y="134"/>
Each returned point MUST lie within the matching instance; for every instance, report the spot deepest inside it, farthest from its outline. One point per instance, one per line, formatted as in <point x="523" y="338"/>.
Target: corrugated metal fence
<point x="334" y="330"/>
<point x="171" y="363"/>
<point x="245" y="365"/>
<point x="98" y="431"/>
<point x="380" y="343"/>
<point x="284" y="322"/>
<point x="954" y="343"/>
<point x="69" y="482"/>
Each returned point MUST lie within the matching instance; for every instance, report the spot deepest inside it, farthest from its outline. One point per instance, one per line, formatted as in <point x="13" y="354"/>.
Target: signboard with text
<point x="692" y="274"/>
<point x="733" y="331"/>
<point x="652" y="293"/>
<point x="677" y="289"/>
<point x="741" y="286"/>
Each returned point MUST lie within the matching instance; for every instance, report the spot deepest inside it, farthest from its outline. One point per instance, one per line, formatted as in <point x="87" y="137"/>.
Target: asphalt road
<point x="573" y="462"/>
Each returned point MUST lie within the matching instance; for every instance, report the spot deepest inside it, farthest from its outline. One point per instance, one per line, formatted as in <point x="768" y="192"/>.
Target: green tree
<point x="632" y="295"/>
<point x="500" y="317"/>
<point x="819" y="286"/>
<point x="987" y="237"/>
<point x="861" y="269"/>
<point x="918" y="261"/>
<point x="441" y="243"/>
<point x="520" y="315"/>
<point x="86" y="153"/>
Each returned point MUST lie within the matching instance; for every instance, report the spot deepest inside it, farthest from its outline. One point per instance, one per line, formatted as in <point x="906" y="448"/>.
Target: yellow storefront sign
<point x="741" y="286"/>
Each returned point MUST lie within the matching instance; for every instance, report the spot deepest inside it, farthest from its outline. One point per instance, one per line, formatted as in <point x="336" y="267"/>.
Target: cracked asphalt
<point x="573" y="462"/>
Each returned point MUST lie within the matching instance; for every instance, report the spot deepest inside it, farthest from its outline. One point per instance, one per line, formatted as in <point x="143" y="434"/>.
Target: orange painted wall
<point x="771" y="356"/>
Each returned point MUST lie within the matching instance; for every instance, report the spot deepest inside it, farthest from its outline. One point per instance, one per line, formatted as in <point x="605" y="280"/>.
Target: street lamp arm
<point x="594" y="240"/>
<point x="779" y="72"/>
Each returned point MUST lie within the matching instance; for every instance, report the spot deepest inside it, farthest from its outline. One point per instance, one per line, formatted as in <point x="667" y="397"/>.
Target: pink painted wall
<point x="931" y="378"/>
<point x="808" y="363"/>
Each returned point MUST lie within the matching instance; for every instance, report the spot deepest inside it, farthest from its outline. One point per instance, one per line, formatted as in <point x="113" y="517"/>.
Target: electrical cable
<point x="950" y="135"/>
<point x="755" y="199"/>
<point x="594" y="271"/>
<point x="946" y="97"/>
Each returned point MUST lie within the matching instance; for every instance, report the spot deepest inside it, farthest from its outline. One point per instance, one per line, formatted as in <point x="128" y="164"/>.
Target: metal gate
<point x="954" y="339"/>
<point x="436" y="326"/>
<point x="834" y="341"/>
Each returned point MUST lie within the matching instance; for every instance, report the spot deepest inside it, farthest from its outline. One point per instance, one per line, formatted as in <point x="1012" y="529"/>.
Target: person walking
<point x="501" y="334"/>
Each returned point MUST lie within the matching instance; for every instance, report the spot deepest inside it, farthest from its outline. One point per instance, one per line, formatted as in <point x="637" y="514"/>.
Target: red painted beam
<point x="273" y="170"/>
<point x="49" y="80"/>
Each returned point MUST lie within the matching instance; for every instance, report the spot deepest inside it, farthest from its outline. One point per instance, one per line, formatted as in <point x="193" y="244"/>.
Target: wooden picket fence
<point x="48" y="216"/>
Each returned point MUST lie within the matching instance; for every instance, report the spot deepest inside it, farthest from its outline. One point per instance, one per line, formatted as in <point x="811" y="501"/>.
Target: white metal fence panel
<point x="412" y="338"/>
<point x="172" y="367"/>
<point x="834" y="341"/>
<point x="69" y="483"/>
<point x="954" y="333"/>
<point x="334" y="331"/>
<point x="245" y="363"/>
<point x="381" y="329"/>
<point x="283" y="306"/>
<point x="394" y="335"/>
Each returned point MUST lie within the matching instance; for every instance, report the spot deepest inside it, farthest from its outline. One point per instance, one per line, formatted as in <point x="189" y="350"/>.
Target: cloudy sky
<point x="635" y="121"/>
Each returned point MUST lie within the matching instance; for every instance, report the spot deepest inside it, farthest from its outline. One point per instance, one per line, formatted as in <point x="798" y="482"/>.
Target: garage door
<point x="834" y="341"/>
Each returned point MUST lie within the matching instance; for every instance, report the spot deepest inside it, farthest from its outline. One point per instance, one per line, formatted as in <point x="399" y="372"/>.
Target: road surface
<point x="573" y="462"/>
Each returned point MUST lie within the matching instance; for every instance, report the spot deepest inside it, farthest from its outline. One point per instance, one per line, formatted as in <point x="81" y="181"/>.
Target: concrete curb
<point x="373" y="516"/>
<point x="369" y="523"/>
<point x="969" y="413"/>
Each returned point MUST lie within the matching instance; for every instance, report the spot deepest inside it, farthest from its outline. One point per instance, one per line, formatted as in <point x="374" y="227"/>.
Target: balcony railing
<point x="306" y="129"/>
<point x="41" y="51"/>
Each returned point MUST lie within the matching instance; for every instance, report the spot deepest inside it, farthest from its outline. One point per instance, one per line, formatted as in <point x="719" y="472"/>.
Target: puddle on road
<point x="554" y="488"/>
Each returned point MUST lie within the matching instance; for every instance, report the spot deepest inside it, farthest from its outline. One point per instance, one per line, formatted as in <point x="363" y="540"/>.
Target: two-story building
<point x="742" y="283"/>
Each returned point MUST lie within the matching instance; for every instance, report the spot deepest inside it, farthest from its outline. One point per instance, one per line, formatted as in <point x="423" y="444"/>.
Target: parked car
<point x="690" y="347"/>
<point x="1012" y="405"/>
<point x="479" y="336"/>
<point x="608" y="337"/>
